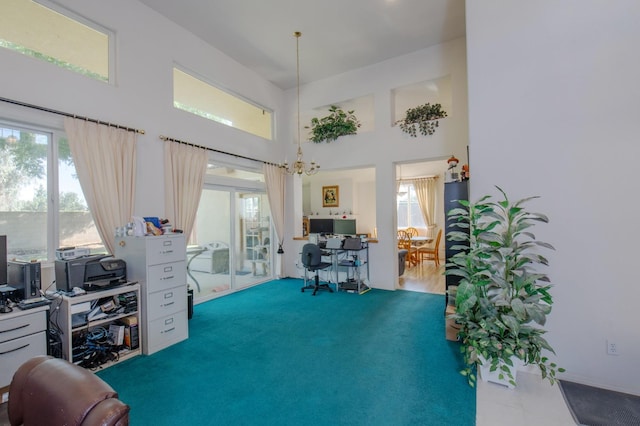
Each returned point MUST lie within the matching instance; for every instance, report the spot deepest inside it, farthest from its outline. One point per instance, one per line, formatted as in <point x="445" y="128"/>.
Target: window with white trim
<point x="48" y="32"/>
<point x="41" y="203"/>
<point x="198" y="97"/>
<point x="409" y="213"/>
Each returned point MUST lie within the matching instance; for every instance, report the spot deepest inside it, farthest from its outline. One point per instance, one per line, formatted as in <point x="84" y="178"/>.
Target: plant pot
<point x="486" y="375"/>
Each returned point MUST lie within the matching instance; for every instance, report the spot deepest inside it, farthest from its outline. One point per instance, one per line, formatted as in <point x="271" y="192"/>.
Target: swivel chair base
<point x="316" y="286"/>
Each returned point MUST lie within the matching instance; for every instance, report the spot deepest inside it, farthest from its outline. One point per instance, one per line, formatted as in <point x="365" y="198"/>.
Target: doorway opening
<point x="420" y="216"/>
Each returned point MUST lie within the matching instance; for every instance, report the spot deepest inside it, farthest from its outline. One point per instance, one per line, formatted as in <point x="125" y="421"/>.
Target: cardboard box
<point x="131" y="339"/>
<point x="450" y="326"/>
<point x="117" y="334"/>
<point x="132" y="320"/>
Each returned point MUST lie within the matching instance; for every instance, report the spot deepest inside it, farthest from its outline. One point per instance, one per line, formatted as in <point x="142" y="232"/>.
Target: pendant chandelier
<point x="299" y="166"/>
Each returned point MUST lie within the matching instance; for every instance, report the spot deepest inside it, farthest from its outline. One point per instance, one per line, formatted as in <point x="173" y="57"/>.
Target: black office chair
<point x="312" y="261"/>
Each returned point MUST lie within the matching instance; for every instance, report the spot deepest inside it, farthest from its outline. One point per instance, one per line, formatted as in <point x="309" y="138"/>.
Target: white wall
<point x="385" y="145"/>
<point x="553" y="108"/>
<point x="148" y="46"/>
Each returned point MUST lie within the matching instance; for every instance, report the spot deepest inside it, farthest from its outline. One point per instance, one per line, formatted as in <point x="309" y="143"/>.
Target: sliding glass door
<point x="230" y="246"/>
<point x="209" y="247"/>
<point x="254" y="249"/>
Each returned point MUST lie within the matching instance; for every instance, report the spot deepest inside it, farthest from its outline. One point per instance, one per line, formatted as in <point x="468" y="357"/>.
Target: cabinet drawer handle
<point x="14" y="350"/>
<point x="14" y="329"/>
<point x="168" y="304"/>
<point x="169" y="330"/>
<point x="170" y="277"/>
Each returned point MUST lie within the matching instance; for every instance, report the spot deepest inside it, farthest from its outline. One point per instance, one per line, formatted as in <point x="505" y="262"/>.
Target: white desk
<point x="337" y="262"/>
<point x="23" y="335"/>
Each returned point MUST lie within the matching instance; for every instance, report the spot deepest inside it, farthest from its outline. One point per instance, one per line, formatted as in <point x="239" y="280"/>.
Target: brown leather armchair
<point x="51" y="391"/>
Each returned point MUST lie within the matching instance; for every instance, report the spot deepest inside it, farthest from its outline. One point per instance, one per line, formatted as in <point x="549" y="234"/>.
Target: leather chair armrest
<point x="51" y="391"/>
<point x="111" y="411"/>
<point x="16" y="406"/>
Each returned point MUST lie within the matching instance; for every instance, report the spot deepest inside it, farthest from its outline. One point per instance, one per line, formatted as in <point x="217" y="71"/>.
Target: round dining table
<point x="416" y="242"/>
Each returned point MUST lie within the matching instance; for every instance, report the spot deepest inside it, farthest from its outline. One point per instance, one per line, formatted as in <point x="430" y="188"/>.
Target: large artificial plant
<point x="423" y="118"/>
<point x="337" y="123"/>
<point x="502" y="299"/>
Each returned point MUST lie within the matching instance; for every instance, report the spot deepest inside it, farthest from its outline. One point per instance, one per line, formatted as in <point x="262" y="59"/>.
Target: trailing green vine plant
<point x="423" y="118"/>
<point x="337" y="123"/>
<point x="502" y="299"/>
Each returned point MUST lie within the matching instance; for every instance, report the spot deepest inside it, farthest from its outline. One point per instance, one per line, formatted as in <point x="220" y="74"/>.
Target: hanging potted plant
<point x="337" y="123"/>
<point x="502" y="299"/>
<point x="423" y="118"/>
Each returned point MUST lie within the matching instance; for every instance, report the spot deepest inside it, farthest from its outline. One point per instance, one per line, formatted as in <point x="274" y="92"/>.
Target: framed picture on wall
<point x="330" y="196"/>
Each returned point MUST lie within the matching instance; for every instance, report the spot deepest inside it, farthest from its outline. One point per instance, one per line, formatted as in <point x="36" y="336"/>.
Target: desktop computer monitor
<point x="344" y="226"/>
<point x="321" y="226"/>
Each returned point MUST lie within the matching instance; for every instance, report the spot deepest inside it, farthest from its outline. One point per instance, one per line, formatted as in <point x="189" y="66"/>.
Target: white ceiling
<point x="337" y="35"/>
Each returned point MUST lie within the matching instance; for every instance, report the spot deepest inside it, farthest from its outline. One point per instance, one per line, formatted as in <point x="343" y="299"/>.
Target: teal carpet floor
<point x="272" y="355"/>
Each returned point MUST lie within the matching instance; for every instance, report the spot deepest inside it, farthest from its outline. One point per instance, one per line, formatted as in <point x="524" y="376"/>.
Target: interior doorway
<point x="421" y="275"/>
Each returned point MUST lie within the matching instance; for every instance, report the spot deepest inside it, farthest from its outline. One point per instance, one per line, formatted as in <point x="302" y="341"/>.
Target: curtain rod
<point x="418" y="177"/>
<point x="166" y="138"/>
<point x="66" y="114"/>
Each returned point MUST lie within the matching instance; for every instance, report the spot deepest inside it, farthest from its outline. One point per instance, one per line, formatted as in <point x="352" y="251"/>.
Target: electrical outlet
<point x="612" y="348"/>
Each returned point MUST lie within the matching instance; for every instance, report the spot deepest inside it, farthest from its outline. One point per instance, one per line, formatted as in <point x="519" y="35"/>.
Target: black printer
<point x="91" y="273"/>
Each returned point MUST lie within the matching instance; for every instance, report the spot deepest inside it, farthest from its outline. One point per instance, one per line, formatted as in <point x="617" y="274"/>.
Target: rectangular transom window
<point x="198" y="97"/>
<point x="69" y="42"/>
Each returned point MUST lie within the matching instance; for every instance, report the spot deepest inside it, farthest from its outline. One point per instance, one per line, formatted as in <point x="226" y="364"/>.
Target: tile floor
<point x="533" y="402"/>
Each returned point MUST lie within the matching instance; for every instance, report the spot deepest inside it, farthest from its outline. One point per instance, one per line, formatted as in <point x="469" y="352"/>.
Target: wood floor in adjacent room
<point x="425" y="277"/>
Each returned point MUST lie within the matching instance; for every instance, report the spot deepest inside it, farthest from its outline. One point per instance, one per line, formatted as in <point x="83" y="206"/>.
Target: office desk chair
<point x="312" y="261"/>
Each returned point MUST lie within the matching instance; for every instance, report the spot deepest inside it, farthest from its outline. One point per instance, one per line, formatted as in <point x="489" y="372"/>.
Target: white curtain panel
<point x="105" y="160"/>
<point x="184" y="170"/>
<point x="426" y="193"/>
<point x="274" y="178"/>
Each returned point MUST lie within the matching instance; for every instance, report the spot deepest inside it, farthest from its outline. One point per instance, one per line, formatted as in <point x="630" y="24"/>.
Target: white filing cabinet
<point x="23" y="335"/>
<point x="158" y="263"/>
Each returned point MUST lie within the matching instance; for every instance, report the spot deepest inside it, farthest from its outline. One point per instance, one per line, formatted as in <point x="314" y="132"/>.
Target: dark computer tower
<point x="3" y="259"/>
<point x="25" y="278"/>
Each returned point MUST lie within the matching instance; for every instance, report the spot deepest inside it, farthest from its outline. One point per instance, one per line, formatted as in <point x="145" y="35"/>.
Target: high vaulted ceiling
<point x="337" y="35"/>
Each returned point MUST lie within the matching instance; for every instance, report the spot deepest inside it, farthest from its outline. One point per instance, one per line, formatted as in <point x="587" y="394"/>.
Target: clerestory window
<point x="201" y="98"/>
<point x="48" y="32"/>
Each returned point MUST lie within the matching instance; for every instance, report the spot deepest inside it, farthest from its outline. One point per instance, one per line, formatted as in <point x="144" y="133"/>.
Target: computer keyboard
<point x="33" y="303"/>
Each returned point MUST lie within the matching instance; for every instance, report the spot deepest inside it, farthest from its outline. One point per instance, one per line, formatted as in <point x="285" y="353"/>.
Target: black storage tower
<point x="453" y="191"/>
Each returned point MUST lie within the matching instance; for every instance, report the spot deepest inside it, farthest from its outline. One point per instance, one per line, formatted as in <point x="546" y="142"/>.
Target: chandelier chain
<point x="299" y="166"/>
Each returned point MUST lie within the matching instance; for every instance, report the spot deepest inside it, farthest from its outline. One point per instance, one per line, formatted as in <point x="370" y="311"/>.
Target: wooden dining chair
<point x="413" y="232"/>
<point x="404" y="243"/>
<point x="402" y="237"/>
<point x="431" y="252"/>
